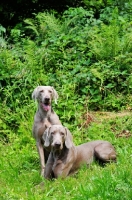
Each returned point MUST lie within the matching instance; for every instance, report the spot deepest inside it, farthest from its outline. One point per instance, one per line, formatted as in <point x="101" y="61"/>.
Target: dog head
<point x="57" y="136"/>
<point x="44" y="95"/>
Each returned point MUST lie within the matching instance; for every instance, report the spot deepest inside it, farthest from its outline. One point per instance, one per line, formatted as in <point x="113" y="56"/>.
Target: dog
<point x="44" y="117"/>
<point x="65" y="158"/>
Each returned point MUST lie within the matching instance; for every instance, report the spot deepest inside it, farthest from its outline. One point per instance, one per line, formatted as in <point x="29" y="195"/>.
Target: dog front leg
<point x="48" y="168"/>
<point x="62" y="170"/>
<point x="41" y="156"/>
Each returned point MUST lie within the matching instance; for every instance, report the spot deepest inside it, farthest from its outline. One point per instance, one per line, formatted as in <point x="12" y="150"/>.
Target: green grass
<point x="19" y="166"/>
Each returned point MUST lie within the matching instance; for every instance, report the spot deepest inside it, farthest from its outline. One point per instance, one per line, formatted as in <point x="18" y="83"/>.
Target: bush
<point x="87" y="59"/>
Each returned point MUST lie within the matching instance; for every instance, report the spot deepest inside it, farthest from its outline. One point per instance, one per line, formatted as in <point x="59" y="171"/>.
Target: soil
<point x="99" y="117"/>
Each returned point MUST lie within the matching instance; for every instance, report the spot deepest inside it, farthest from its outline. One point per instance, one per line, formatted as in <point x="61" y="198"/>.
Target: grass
<point x="19" y="165"/>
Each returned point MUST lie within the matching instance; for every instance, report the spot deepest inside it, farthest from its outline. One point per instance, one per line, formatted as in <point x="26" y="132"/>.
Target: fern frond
<point x="31" y="26"/>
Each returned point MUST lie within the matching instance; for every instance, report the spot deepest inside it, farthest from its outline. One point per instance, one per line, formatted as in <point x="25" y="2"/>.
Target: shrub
<point x="87" y="59"/>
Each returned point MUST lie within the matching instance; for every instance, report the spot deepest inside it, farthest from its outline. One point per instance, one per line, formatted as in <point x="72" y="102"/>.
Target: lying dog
<point x="65" y="158"/>
<point x="44" y="117"/>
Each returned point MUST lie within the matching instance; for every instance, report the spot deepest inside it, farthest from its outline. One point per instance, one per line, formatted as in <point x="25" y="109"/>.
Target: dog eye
<point x="62" y="133"/>
<point x="50" y="91"/>
<point x="52" y="133"/>
<point x="41" y="91"/>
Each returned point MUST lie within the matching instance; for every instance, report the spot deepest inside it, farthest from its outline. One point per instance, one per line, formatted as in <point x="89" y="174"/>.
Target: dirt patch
<point x="98" y="116"/>
<point x="124" y="133"/>
<point x="111" y="115"/>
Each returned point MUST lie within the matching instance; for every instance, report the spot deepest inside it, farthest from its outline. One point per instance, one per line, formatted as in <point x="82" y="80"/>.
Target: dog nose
<point x="57" y="144"/>
<point x="47" y="99"/>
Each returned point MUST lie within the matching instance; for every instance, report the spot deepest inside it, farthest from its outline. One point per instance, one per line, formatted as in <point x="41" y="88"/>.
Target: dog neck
<point x="43" y="113"/>
<point x="60" y="153"/>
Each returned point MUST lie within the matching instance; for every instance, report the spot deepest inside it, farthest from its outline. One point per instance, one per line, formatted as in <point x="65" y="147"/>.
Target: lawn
<point x="19" y="163"/>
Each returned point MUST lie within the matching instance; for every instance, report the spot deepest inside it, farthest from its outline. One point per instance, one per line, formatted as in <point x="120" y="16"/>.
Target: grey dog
<point x="44" y="117"/>
<point x="65" y="158"/>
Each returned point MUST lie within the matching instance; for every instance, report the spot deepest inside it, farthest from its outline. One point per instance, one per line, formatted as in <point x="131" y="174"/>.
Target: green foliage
<point x="2" y="38"/>
<point x="87" y="59"/>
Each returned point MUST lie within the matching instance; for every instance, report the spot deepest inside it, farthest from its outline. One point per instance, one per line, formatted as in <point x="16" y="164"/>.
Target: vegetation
<point x="85" y="53"/>
<point x="11" y="12"/>
<point x="19" y="165"/>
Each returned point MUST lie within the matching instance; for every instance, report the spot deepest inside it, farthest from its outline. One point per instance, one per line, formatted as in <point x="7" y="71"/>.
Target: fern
<point x="49" y="22"/>
<point x="32" y="26"/>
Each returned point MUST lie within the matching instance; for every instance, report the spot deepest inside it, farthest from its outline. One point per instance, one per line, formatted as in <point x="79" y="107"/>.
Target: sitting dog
<point x="44" y="117"/>
<point x="65" y="158"/>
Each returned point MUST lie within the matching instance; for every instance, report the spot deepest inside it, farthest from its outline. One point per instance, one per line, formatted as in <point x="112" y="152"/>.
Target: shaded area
<point x="13" y="12"/>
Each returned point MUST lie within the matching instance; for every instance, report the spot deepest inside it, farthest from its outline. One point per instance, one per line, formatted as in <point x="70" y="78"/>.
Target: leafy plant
<point x="2" y="36"/>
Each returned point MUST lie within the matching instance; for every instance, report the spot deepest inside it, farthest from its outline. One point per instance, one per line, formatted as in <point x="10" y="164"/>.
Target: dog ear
<point x="35" y="93"/>
<point x="68" y="139"/>
<point x="46" y="137"/>
<point x="55" y="95"/>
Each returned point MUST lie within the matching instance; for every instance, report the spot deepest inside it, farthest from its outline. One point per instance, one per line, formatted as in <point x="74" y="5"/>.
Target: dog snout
<point x="56" y="144"/>
<point x="47" y="99"/>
